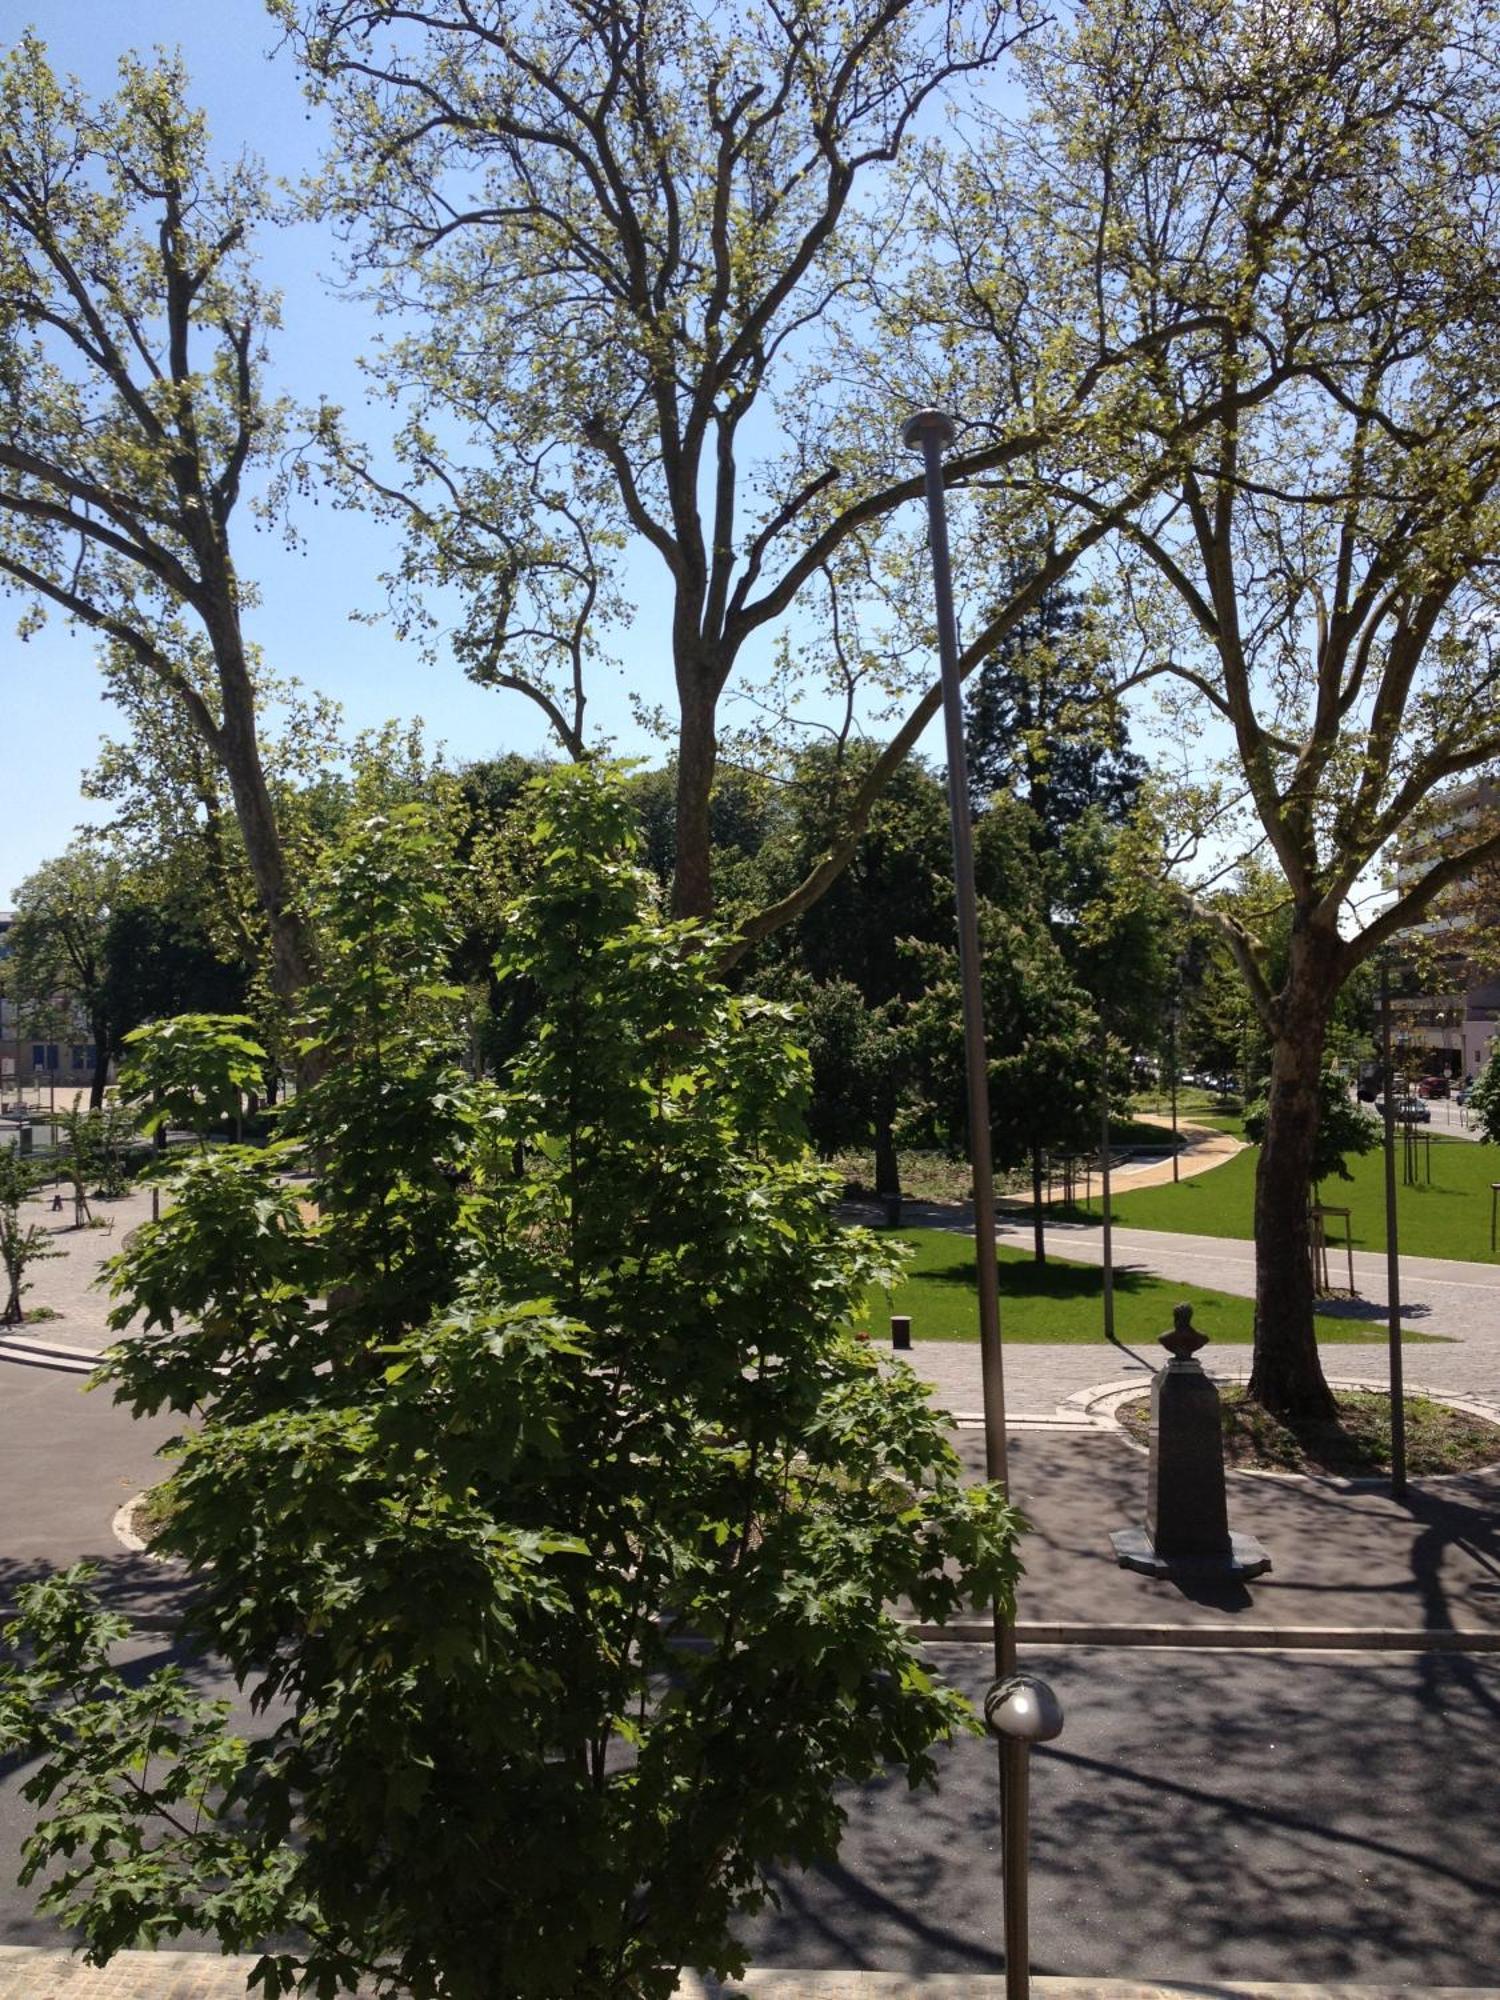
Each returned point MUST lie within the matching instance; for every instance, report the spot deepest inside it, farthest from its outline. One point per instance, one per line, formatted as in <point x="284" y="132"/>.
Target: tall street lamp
<point x="1392" y="1255"/>
<point x="1019" y="1710"/>
<point x="928" y="432"/>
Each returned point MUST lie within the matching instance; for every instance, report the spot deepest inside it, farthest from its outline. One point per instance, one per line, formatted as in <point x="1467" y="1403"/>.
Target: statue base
<point x="1245" y="1557"/>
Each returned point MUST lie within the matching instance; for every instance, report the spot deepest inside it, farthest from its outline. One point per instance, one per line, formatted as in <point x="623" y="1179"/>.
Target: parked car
<point x="1432" y="1086"/>
<point x="1413" y="1111"/>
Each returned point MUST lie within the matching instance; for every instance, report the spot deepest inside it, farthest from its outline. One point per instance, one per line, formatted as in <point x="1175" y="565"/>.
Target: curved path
<point x="1457" y="1301"/>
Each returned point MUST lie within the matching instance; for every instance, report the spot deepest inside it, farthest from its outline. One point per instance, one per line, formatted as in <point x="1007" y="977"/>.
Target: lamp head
<point x="1024" y="1709"/>
<point x="935" y="423"/>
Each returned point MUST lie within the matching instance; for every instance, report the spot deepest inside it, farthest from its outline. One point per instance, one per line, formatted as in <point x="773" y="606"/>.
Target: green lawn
<point x="1196" y="1107"/>
<point x="1448" y="1218"/>
<point x="1058" y="1300"/>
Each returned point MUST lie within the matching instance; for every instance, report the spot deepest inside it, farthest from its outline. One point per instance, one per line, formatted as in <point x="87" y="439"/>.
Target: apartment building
<point x="56" y="1050"/>
<point x="1448" y="1027"/>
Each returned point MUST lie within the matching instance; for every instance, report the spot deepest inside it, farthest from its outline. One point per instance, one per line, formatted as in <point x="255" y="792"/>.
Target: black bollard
<point x="900" y="1333"/>
<point x="1187" y="1512"/>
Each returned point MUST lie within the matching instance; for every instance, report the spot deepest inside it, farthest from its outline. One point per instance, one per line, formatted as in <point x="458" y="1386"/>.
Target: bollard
<point x="1187" y="1511"/>
<point x="900" y="1333"/>
<point x="1019" y="1711"/>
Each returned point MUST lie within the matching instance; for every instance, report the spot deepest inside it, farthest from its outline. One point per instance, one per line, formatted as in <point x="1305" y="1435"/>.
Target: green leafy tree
<point x="132" y="335"/>
<point x="857" y="942"/>
<point x="79" y="1160"/>
<point x="651" y="265"/>
<point x="1311" y="585"/>
<point x="57" y="951"/>
<point x="193" y="1071"/>
<point x="1039" y="720"/>
<point x="159" y="961"/>
<point x="22" y="1244"/>
<point x="1484" y="1100"/>
<point x="1344" y="1131"/>
<point x="1042" y="1034"/>
<point x="541" y="1494"/>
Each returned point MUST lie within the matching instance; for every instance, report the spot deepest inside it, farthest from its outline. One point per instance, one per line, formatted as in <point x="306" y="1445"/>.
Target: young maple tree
<point x="541" y="1494"/>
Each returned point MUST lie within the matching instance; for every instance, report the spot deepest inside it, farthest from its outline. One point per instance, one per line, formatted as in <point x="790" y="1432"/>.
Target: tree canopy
<point x="132" y="338"/>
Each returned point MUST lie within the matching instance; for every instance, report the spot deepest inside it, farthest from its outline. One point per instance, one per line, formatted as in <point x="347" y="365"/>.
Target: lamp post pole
<point x="929" y="432"/>
<point x="1104" y="1187"/>
<point x="1392" y="1255"/>
<point x="1173" y="1062"/>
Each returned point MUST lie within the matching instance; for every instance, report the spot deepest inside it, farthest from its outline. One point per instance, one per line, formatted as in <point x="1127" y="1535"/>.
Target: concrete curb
<point x="772" y="1985"/>
<point x="1099" y="1404"/>
<point x="39" y="1973"/>
<point x="1222" y="1638"/>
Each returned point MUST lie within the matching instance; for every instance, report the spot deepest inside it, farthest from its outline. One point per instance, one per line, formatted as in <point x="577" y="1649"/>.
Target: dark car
<point x="1412" y="1109"/>
<point x="1432" y="1086"/>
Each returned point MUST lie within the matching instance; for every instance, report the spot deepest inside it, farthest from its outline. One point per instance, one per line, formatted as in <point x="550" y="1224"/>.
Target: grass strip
<point x="1063" y="1301"/>
<point x="1446" y="1216"/>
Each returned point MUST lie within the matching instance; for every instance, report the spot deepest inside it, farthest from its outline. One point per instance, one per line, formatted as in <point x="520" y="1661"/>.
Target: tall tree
<point x="1045" y="1074"/>
<point x="643" y="248"/>
<point x="1039" y="718"/>
<point x="554" y="1514"/>
<point x="132" y="335"/>
<point x="854" y="947"/>
<point x="1313" y="588"/>
<point x="57" y="947"/>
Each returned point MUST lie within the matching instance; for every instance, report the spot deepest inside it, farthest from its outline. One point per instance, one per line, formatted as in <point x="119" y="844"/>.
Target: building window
<point x="38" y="1056"/>
<point x="77" y="1055"/>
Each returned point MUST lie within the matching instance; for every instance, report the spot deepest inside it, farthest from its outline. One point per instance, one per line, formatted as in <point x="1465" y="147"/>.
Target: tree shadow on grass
<point x="1030" y="1280"/>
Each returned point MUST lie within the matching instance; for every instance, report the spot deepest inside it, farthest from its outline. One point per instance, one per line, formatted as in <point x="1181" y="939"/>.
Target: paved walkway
<point x="145" y="1975"/>
<point x="1458" y="1301"/>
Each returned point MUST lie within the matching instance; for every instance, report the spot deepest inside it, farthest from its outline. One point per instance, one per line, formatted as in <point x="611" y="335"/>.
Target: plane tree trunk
<point x="1287" y="1375"/>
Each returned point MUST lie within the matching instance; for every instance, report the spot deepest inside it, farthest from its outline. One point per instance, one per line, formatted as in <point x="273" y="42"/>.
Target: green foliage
<point x="540" y="1493"/>
<point x="80" y="1158"/>
<point x="1043" y="1045"/>
<point x="1484" y="1100"/>
<point x="191" y="1070"/>
<point x="1344" y="1131"/>
<point x="56" y="947"/>
<point x="849" y="962"/>
<point x="21" y="1243"/>
<point x="1039" y="717"/>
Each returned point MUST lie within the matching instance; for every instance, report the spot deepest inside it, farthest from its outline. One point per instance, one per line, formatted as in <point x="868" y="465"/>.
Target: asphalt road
<point x="1204" y="1816"/>
<point x="1303" y="1817"/>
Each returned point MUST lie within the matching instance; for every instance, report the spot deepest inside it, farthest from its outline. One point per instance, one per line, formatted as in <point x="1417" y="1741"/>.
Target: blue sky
<point x="51" y="712"/>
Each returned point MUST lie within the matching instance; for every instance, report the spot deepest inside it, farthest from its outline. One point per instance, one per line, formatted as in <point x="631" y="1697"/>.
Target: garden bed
<point x="1356" y="1445"/>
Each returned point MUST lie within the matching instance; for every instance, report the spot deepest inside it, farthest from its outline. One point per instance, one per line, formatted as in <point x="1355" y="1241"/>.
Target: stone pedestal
<point x="1187" y="1528"/>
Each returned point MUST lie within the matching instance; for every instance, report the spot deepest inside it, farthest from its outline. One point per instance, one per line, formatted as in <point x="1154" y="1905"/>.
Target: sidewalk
<point x="1351" y="1567"/>
<point x="146" y="1975"/>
